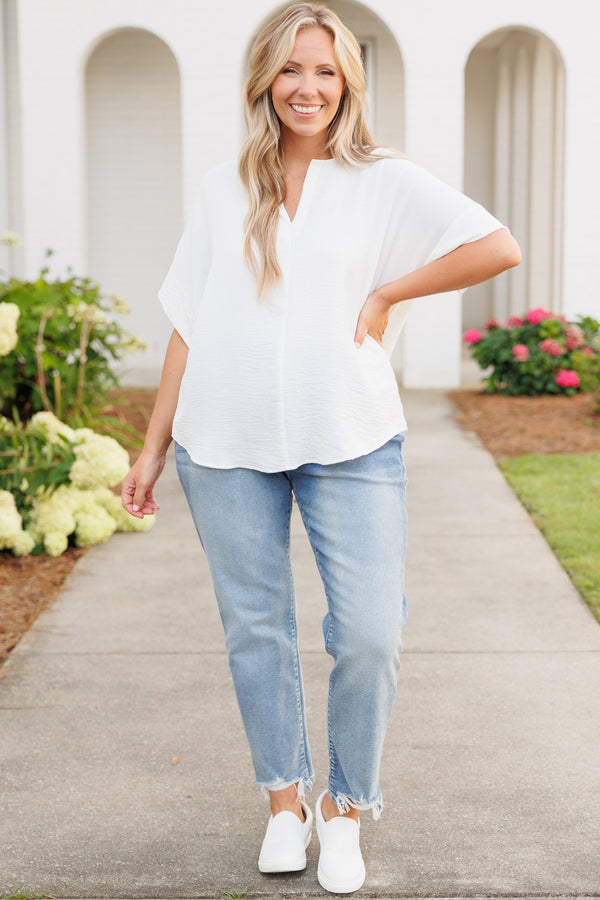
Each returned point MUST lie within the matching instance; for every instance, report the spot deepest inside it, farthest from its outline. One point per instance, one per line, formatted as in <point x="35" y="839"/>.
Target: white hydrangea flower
<point x="6" y="426"/>
<point x="55" y="543"/>
<point x="10" y="239"/>
<point x="9" y="313"/>
<point x="77" y="311"/>
<point x="96" y="315"/>
<point x="10" y="520"/>
<point x="23" y="544"/>
<point x="84" y="434"/>
<point x="119" y="305"/>
<point x="49" y="427"/>
<point x="93" y="526"/>
<point x="131" y="343"/>
<point x="53" y="514"/>
<point x="100" y="462"/>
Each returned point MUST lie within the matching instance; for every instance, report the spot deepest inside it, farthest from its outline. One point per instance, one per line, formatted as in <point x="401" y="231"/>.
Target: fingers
<point x="361" y="332"/>
<point x="138" y="499"/>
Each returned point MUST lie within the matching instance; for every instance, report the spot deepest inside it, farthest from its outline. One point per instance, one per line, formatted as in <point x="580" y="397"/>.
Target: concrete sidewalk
<point x="491" y="773"/>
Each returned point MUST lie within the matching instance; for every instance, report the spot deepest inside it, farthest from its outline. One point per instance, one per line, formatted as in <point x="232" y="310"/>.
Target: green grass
<point x="18" y="894"/>
<point x="234" y="894"/>
<point x="562" y="494"/>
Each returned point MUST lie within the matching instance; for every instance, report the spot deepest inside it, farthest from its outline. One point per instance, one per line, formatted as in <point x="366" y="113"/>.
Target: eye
<point x="289" y="70"/>
<point x="326" y="72"/>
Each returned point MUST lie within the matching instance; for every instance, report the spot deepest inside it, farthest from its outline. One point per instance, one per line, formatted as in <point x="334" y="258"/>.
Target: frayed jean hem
<point x="345" y="803"/>
<point x="302" y="785"/>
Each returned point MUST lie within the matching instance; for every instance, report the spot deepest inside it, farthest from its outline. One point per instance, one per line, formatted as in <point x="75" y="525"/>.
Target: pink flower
<point x="567" y="378"/>
<point x="514" y="322"/>
<point x="551" y="347"/>
<point x="588" y="351"/>
<point x="520" y="353"/>
<point x="492" y="323"/>
<point x="535" y="316"/>
<point x="472" y="336"/>
<point x="574" y="337"/>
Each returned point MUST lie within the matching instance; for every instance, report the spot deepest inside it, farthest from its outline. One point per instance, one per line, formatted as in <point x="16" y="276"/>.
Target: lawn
<point x="562" y="494"/>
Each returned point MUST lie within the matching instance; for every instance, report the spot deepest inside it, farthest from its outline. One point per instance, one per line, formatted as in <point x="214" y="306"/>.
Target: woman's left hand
<point x="373" y="319"/>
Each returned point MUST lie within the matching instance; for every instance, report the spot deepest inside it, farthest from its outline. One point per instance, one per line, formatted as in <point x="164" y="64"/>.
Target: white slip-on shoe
<point x="341" y="867"/>
<point x="286" y="839"/>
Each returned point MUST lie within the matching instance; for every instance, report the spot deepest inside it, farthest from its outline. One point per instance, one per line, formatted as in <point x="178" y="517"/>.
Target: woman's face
<point x="307" y="92"/>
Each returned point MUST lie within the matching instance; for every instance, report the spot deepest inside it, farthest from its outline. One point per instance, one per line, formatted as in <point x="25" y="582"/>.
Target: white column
<point x="558" y="186"/>
<point x="431" y="345"/>
<point x="502" y="174"/>
<point x="543" y="149"/>
<point x="521" y="110"/>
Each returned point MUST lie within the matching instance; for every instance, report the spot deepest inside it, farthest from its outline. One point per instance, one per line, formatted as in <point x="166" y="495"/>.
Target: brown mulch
<point x="507" y="426"/>
<point x="514" y="426"/>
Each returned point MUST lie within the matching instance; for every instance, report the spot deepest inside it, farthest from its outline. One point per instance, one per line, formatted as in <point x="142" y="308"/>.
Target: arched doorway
<point x="514" y="145"/>
<point x="134" y="190"/>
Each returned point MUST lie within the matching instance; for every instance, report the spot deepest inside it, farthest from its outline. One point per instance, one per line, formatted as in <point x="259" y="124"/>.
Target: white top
<point x="275" y="383"/>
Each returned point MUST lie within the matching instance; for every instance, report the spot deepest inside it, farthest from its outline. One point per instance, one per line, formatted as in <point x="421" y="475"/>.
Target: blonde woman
<point x="286" y="294"/>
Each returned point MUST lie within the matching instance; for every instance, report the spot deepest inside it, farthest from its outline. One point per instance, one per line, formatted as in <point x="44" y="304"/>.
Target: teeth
<point x="305" y="109"/>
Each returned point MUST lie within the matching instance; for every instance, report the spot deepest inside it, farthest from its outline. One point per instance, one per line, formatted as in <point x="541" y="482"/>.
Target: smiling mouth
<point x="305" y="110"/>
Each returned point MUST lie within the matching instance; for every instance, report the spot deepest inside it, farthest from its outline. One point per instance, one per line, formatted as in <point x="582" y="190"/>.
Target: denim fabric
<point x="355" y="516"/>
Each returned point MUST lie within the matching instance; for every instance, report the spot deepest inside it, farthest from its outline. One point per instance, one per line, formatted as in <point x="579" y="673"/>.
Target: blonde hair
<point x="261" y="160"/>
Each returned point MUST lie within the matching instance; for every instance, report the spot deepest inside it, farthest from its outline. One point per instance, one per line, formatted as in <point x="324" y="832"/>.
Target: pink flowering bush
<point x="538" y="353"/>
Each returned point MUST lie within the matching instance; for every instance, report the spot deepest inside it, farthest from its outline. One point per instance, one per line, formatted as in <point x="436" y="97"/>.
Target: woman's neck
<point x="299" y="151"/>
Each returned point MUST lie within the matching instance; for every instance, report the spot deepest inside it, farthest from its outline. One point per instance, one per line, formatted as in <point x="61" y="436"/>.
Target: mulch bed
<point x="507" y="426"/>
<point x="515" y="426"/>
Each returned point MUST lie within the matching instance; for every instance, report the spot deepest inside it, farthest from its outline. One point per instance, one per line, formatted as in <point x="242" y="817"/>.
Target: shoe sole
<point x="338" y="888"/>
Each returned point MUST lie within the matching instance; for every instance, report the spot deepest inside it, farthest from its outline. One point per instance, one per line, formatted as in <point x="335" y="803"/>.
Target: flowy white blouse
<point x="274" y="383"/>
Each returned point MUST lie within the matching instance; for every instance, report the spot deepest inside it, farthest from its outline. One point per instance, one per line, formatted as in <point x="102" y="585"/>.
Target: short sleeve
<point x="428" y="219"/>
<point x="181" y="291"/>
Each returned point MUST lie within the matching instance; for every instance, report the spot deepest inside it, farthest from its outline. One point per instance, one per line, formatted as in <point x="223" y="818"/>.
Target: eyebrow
<point x="326" y="65"/>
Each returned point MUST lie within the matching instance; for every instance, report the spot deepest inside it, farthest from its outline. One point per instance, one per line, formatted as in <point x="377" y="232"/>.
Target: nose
<point x="307" y="88"/>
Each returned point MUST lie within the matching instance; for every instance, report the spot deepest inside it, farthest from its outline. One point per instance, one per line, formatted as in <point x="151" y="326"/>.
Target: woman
<point x="287" y="292"/>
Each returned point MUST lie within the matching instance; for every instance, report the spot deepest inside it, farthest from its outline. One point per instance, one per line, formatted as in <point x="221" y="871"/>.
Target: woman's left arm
<point x="469" y="264"/>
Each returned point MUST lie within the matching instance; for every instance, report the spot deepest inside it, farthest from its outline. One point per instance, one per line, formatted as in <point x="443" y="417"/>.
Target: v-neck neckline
<point x="305" y="193"/>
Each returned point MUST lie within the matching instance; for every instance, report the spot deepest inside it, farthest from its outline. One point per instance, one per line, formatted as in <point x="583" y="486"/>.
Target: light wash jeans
<point x="355" y="516"/>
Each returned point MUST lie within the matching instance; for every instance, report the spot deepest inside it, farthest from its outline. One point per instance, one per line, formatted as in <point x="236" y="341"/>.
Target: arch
<point x="514" y="147"/>
<point x="384" y="66"/>
<point x="133" y="173"/>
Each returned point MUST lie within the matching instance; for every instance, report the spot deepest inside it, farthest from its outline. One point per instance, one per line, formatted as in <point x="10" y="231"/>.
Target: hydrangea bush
<point x="61" y="355"/>
<point x="538" y="353"/>
<point x="59" y="341"/>
<point x="55" y="487"/>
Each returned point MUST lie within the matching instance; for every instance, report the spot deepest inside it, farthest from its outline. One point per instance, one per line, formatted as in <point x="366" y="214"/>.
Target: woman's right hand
<point x="137" y="491"/>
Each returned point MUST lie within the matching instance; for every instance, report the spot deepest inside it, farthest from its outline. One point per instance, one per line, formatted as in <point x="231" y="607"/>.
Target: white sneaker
<point x="341" y="867"/>
<point x="285" y="843"/>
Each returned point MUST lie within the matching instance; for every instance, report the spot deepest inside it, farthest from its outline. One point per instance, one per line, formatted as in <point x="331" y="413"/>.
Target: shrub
<point x="538" y="353"/>
<point x="61" y="356"/>
<point x="58" y="343"/>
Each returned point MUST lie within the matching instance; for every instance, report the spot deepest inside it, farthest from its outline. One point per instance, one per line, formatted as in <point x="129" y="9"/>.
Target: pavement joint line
<point x="359" y="895"/>
<point x="307" y="652"/>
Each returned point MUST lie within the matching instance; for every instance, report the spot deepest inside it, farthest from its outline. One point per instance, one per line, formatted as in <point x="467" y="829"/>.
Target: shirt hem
<point x="208" y="462"/>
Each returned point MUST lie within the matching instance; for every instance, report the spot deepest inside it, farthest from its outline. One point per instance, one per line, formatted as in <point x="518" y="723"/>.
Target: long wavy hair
<point x="261" y="163"/>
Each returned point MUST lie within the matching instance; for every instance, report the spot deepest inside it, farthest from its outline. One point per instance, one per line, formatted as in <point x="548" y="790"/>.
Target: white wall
<point x="11" y="211"/>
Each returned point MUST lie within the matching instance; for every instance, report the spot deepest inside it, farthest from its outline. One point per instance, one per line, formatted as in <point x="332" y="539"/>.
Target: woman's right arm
<point x="137" y="493"/>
